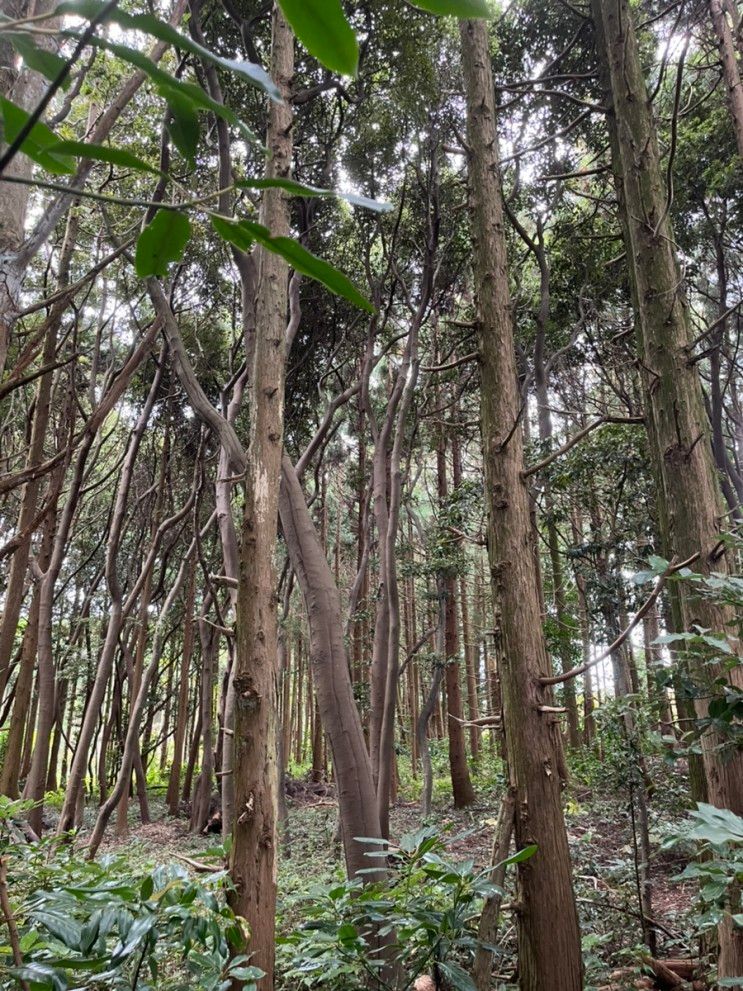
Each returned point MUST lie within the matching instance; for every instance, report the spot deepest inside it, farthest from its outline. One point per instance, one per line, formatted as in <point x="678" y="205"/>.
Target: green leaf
<point x="138" y="931"/>
<point x="149" y="24"/>
<point x="301" y="189"/>
<point x="183" y="125"/>
<point x="39" y="143"/>
<point x="48" y="64"/>
<point x="244" y="233"/>
<point x="103" y="153"/>
<point x="458" y="977"/>
<point x="455" y="8"/>
<point x="162" y="241"/>
<point x="62" y="927"/>
<point x="521" y="855"/>
<point x="41" y="975"/>
<point x="322" y="28"/>
<point x="148" y="885"/>
<point x="171" y="88"/>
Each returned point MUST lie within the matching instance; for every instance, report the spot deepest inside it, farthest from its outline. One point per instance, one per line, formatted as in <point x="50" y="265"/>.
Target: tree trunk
<point x="730" y="70"/>
<point x="688" y="488"/>
<point x="174" y="781"/>
<point x="548" y="934"/>
<point x="336" y="704"/>
<point x="252" y="859"/>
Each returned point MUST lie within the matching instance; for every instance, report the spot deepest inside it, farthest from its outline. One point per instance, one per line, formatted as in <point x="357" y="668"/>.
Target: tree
<point x="549" y="940"/>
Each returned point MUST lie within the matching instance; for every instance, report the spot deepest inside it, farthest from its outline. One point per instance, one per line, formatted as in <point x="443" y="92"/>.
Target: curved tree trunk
<point x="330" y="672"/>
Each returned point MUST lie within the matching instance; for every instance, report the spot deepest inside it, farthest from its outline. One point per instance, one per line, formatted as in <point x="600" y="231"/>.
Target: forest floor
<point x="601" y="839"/>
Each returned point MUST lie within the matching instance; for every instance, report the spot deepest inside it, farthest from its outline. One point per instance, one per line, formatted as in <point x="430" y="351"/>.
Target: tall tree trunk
<point x="548" y="934"/>
<point x="463" y="792"/>
<point x="172" y="797"/>
<point x="678" y="427"/>
<point x="336" y="704"/>
<point x="470" y="660"/>
<point x="730" y="70"/>
<point x="252" y="858"/>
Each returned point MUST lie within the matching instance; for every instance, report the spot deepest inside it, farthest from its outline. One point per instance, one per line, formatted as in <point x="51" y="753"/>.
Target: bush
<point x="104" y="926"/>
<point x="422" y="919"/>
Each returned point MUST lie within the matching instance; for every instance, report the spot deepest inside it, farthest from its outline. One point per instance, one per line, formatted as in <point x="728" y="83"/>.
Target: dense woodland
<point x="371" y="483"/>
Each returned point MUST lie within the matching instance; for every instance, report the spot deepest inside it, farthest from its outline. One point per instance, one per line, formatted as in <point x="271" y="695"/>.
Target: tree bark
<point x="253" y="855"/>
<point x="730" y="70"/>
<point x="548" y="934"/>
<point x="688" y="488"/>
<point x="173" y="797"/>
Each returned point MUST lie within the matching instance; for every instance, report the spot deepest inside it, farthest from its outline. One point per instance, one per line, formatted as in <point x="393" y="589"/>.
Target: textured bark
<point x="688" y="487"/>
<point x="487" y="931"/>
<point x="253" y="855"/>
<point x="548" y="934"/>
<point x="730" y="70"/>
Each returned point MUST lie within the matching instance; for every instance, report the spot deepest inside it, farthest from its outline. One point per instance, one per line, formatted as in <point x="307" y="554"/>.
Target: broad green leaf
<point x="521" y="855"/>
<point x="138" y="930"/>
<point x="301" y="189"/>
<point x="322" y="28"/>
<point x="149" y="24"/>
<point x="103" y="153"/>
<point x="455" y="8"/>
<point x="48" y="64"/>
<point x="458" y="977"/>
<point x="62" y="927"/>
<point x="162" y="241"/>
<point x="183" y="125"/>
<point x="41" y="975"/>
<point x="39" y="143"/>
<point x="171" y="88"/>
<point x="244" y="233"/>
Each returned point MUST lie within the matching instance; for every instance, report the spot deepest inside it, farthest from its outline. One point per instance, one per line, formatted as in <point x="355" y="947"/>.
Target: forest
<point x="371" y="495"/>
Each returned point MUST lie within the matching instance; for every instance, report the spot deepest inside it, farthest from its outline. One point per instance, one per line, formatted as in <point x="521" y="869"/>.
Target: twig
<point x="672" y="568"/>
<point x="15" y="943"/>
<point x="197" y="865"/>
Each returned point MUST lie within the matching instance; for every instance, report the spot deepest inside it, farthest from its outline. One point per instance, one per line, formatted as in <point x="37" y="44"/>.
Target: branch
<point x="220" y="426"/>
<point x="541" y="465"/>
<point x="15" y="943"/>
<point x="672" y="568"/>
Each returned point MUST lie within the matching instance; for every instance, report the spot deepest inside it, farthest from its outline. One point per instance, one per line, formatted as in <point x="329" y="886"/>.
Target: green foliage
<point x="40" y="142"/>
<point x="422" y="919"/>
<point x="716" y="650"/>
<point x="243" y="234"/>
<point x="322" y="28"/>
<point x="150" y="25"/>
<point x="162" y="241"/>
<point x="104" y="925"/>
<point x="715" y="837"/>
<point x="455" y="8"/>
<point x="49" y="64"/>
